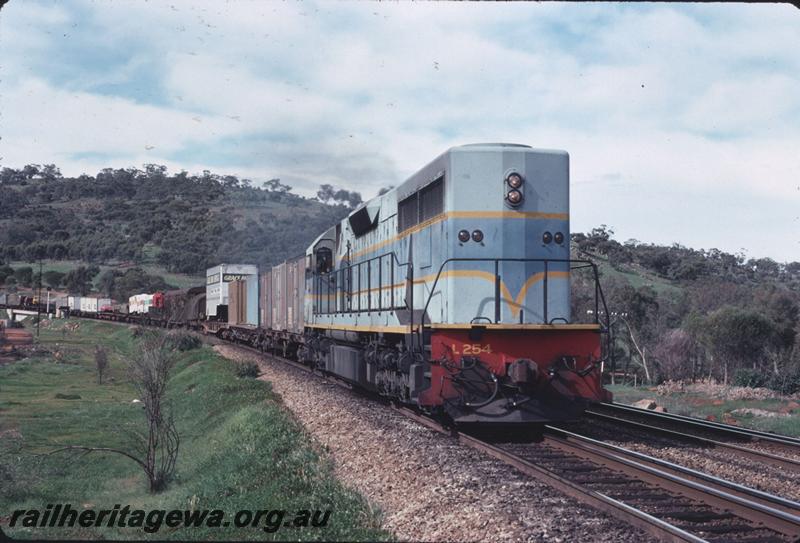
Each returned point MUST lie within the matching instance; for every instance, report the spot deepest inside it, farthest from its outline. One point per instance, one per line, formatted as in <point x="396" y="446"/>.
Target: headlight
<point x="514" y="197"/>
<point x="463" y="236"/>
<point x="547" y="237"/>
<point x="559" y="238"/>
<point x="477" y="236"/>
<point x="514" y="180"/>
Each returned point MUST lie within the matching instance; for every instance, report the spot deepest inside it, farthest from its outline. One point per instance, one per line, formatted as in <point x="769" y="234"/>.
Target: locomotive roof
<point x="434" y="169"/>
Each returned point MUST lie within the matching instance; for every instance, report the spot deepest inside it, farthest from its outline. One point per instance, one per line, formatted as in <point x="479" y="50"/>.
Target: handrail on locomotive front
<point x="598" y="298"/>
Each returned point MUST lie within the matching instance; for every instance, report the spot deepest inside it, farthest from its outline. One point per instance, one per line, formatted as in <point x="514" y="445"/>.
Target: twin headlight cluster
<point x="464" y="236"/>
<point x="514" y="190"/>
<point x="477" y="236"/>
<point x="558" y="237"/>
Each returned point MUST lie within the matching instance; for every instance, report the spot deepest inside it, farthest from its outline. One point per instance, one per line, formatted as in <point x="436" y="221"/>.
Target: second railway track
<point x="772" y="449"/>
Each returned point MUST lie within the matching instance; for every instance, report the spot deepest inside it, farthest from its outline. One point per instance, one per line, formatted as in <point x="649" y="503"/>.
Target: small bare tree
<point x="100" y="362"/>
<point x="149" y="373"/>
<point x="156" y="451"/>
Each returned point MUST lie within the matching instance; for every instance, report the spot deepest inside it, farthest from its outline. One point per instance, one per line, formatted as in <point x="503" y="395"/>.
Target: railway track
<point x="730" y="438"/>
<point x="671" y="502"/>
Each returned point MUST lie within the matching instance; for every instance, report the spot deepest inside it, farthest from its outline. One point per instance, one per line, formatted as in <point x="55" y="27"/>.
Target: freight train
<point x="450" y="293"/>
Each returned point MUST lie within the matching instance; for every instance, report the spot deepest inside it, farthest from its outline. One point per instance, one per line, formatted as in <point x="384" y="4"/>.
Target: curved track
<point x="669" y="501"/>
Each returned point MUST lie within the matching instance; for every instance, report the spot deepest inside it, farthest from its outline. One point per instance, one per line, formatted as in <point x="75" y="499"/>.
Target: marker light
<point x="463" y="236"/>
<point x="514" y="197"/>
<point x="514" y="180"/>
<point x="547" y="237"/>
<point x="559" y="238"/>
<point x="477" y="236"/>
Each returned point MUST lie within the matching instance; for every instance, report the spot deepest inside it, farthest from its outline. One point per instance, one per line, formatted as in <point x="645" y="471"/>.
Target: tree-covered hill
<point x="183" y="222"/>
<point x="680" y="313"/>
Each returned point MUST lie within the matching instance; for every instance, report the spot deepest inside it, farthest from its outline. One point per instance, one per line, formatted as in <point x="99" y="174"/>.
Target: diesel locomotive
<point x="452" y="292"/>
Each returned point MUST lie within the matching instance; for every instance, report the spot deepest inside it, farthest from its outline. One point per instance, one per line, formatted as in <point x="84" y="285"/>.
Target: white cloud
<point x="52" y="124"/>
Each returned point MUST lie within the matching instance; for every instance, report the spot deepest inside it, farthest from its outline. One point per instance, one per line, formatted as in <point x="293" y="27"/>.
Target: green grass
<point x="177" y="280"/>
<point x="693" y="404"/>
<point x="240" y="449"/>
<point x="638" y="277"/>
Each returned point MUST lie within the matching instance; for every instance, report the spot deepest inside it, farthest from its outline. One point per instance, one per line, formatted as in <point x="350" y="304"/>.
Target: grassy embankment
<point x="698" y="402"/>
<point x="240" y="449"/>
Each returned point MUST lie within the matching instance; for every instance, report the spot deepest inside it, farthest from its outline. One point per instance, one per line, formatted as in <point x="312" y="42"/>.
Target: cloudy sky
<point x="682" y="121"/>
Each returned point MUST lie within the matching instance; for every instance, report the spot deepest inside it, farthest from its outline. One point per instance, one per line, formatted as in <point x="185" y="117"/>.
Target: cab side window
<point x="324" y="260"/>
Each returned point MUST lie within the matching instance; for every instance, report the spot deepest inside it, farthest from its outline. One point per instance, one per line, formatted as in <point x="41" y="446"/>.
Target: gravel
<point x="428" y="486"/>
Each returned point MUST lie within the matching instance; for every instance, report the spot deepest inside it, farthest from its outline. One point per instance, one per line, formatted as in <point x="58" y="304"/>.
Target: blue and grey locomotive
<point x="452" y="291"/>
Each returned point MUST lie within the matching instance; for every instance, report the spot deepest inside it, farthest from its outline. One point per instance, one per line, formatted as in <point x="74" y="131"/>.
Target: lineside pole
<point x="39" y="300"/>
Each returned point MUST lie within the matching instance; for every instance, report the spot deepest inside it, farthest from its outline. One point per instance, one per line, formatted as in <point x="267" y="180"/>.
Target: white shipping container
<point x="217" y="280"/>
<point x="140" y="303"/>
<point x="88" y="304"/>
<point x="74" y="302"/>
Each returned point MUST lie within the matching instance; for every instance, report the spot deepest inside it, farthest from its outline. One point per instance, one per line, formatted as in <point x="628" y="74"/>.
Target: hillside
<point x="240" y="448"/>
<point x="177" y="222"/>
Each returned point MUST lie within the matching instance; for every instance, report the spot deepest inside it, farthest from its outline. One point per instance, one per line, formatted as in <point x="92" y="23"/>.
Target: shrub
<point x="747" y="377"/>
<point x="184" y="341"/>
<point x="246" y="369"/>
<point x="786" y="383"/>
<point x="101" y="362"/>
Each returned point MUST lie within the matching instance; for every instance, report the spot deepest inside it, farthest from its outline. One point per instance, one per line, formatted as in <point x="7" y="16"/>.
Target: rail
<point x="759" y="508"/>
<point x="788" y="443"/>
<point x="784" y="508"/>
<point x="755" y="454"/>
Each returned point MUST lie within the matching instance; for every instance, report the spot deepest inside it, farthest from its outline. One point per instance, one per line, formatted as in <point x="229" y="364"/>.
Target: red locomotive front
<point x="517" y="373"/>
